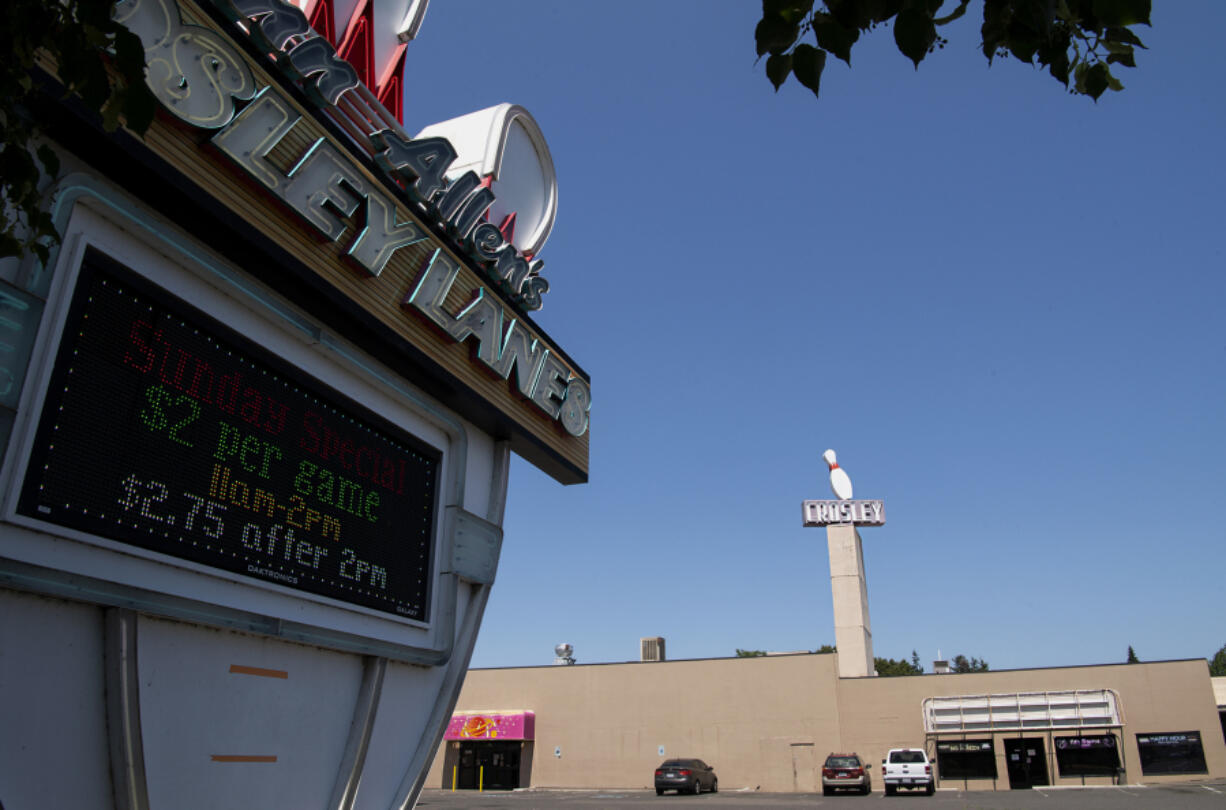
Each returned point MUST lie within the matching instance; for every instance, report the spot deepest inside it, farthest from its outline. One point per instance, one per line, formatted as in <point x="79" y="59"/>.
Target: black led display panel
<point x="165" y="430"/>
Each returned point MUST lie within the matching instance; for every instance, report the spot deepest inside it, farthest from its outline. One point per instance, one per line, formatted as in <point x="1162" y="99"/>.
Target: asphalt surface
<point x="1209" y="795"/>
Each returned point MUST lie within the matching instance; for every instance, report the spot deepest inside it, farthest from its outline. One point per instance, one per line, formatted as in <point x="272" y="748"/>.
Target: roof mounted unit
<point x="652" y="648"/>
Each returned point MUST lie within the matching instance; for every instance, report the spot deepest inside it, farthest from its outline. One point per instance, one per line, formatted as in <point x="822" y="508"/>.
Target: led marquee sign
<point x="163" y="430"/>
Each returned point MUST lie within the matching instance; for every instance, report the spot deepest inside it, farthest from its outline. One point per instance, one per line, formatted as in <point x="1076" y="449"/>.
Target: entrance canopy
<point x="500" y="725"/>
<point x="1079" y="708"/>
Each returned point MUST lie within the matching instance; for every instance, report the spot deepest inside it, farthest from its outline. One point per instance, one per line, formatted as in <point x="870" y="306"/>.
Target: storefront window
<point x="966" y="759"/>
<point x="1092" y="755"/>
<point x="1173" y="752"/>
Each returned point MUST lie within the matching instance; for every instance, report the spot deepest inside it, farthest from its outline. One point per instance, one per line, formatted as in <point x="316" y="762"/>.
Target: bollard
<point x="481" y="779"/>
<point x="454" y="768"/>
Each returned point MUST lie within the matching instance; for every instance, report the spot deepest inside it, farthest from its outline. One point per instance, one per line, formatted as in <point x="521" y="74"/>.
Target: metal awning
<point x="1068" y="709"/>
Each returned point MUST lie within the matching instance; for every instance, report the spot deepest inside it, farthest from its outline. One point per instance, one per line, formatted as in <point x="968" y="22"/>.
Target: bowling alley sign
<point x="368" y="214"/>
<point x="834" y="513"/>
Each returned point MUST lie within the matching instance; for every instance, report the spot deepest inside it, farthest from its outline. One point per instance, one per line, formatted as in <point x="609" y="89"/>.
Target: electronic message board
<point x="165" y="430"/>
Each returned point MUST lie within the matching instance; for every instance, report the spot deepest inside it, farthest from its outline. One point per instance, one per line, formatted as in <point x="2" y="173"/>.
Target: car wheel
<point x="715" y="786"/>
<point x="659" y="791"/>
<point x="865" y="790"/>
<point x="932" y="788"/>
<point x="827" y="791"/>
<point x="889" y="790"/>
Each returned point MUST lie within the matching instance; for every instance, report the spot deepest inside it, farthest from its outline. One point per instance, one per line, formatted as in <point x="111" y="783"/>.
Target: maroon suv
<point x="846" y="772"/>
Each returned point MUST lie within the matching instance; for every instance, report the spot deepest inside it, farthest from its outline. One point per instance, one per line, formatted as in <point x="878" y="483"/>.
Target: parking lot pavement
<point x="1190" y="796"/>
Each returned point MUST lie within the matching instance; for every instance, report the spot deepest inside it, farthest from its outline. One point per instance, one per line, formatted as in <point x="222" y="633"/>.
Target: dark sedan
<point x="686" y="776"/>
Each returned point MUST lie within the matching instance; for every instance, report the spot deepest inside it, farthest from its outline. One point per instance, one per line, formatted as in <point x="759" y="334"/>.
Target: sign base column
<point x="853" y="636"/>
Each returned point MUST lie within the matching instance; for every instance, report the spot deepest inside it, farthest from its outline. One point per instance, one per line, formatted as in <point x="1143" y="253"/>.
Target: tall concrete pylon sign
<point x="853" y="634"/>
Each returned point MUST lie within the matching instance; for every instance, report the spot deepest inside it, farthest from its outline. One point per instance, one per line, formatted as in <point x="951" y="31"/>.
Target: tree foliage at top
<point x="97" y="59"/>
<point x="1217" y="664"/>
<point x="962" y="664"/>
<point x="1132" y="656"/>
<point x="749" y="653"/>
<point x="1076" y="40"/>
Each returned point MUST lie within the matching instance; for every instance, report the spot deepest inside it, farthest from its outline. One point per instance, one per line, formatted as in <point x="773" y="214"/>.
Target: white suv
<point x="907" y="768"/>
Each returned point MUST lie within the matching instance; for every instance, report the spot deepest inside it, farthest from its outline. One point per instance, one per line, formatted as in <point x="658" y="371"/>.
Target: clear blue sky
<point x="1001" y="304"/>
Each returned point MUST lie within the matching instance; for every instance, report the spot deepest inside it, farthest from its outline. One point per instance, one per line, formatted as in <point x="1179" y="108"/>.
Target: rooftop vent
<point x="652" y="648"/>
<point x="565" y="654"/>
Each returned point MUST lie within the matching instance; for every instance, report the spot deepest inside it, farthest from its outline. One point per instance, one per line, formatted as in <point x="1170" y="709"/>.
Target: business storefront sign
<point x="202" y="80"/>
<point x="1095" y="741"/>
<point x="963" y="746"/>
<point x="856" y="513"/>
<point x="492" y="726"/>
<point x="401" y="233"/>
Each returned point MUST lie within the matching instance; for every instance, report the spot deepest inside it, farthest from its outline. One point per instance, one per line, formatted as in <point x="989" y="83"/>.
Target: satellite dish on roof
<point x="564" y="653"/>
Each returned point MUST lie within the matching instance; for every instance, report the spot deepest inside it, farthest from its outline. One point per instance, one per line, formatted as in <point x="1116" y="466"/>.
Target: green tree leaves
<point x="1217" y="665"/>
<point x="97" y="59"/>
<point x="889" y="668"/>
<point x="1078" y="41"/>
<point x="962" y="664"/>
<point x="915" y="33"/>
<point x="807" y="65"/>
<point x="833" y="36"/>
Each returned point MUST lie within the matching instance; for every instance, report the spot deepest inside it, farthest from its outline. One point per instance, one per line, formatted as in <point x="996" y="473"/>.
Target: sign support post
<point x="853" y="635"/>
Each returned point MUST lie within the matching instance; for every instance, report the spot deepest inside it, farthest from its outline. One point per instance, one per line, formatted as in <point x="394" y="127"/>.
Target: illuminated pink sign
<point x="492" y="726"/>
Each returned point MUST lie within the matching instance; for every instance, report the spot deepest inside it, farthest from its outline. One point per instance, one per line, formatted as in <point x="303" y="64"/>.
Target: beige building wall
<point x="768" y="723"/>
<point x="750" y="718"/>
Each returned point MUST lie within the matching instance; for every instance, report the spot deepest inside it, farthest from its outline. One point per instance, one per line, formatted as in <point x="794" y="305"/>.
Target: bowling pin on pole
<point x="839" y="482"/>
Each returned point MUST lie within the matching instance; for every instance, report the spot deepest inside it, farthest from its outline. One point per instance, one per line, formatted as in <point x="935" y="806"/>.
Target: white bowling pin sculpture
<point x="839" y="482"/>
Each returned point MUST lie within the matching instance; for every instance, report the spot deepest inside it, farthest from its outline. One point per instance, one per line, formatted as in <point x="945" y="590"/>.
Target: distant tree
<point x="826" y="648"/>
<point x="749" y="653"/>
<point x="1132" y="656"/>
<point x="889" y="668"/>
<point x="961" y="664"/>
<point x="1217" y="665"/>
<point x="1076" y="40"/>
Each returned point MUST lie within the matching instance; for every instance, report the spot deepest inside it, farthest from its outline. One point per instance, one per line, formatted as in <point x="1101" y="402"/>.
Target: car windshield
<point x="907" y="756"/>
<point x="842" y="762"/>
